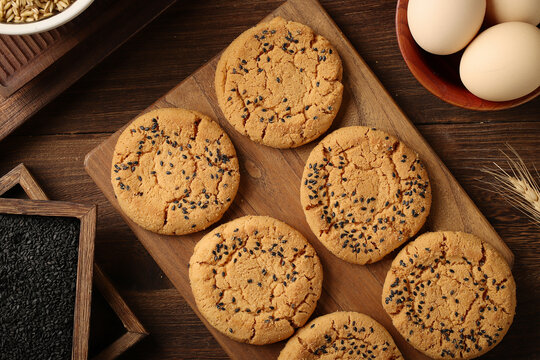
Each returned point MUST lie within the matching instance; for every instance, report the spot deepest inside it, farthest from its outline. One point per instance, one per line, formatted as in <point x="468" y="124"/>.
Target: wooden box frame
<point x="87" y="216"/>
<point x="39" y="204"/>
<point x="135" y="331"/>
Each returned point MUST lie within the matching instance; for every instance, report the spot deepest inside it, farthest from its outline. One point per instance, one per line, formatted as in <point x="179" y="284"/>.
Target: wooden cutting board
<point x="270" y="185"/>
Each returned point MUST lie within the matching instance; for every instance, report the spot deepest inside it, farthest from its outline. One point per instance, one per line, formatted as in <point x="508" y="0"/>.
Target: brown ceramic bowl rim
<point x="442" y="88"/>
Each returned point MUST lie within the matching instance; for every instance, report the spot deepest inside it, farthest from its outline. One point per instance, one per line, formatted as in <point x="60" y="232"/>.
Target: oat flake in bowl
<point x="24" y="11"/>
<point x="21" y="17"/>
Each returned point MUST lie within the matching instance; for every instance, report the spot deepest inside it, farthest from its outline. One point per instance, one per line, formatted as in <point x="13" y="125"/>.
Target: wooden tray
<point x="39" y="205"/>
<point x="271" y="174"/>
<point x="34" y="69"/>
<point x="134" y="329"/>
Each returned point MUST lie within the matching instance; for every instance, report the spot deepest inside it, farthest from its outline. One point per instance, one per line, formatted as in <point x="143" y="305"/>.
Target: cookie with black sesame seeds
<point x="450" y="295"/>
<point x="174" y="171"/>
<point x="341" y="335"/>
<point x="279" y="83"/>
<point x="364" y="193"/>
<point x="255" y="279"/>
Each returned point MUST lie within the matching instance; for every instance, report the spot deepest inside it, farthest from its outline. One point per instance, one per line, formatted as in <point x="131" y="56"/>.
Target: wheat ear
<point x="517" y="186"/>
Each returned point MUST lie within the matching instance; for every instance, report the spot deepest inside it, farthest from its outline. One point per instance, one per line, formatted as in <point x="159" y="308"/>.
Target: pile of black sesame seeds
<point x="38" y="273"/>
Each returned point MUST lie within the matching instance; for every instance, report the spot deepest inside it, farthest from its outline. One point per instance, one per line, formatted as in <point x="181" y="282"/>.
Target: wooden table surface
<point x="54" y="142"/>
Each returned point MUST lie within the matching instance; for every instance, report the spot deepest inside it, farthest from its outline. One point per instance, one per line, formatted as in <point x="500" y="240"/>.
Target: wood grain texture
<point x="440" y="74"/>
<point x="53" y="144"/>
<point x="135" y="331"/>
<point x="269" y="174"/>
<point x="119" y="346"/>
<point x="85" y="268"/>
<point x="109" y="292"/>
<point x="20" y="175"/>
<point x="83" y="293"/>
<point x="40" y="207"/>
<point x="24" y="57"/>
<point x="84" y="43"/>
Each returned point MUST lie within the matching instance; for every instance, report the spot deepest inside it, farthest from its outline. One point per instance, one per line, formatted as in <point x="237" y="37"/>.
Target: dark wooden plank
<point x="94" y="42"/>
<point x="183" y="39"/>
<point x="176" y="332"/>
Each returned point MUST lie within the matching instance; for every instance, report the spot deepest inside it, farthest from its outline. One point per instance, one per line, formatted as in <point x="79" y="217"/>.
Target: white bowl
<point x="46" y="24"/>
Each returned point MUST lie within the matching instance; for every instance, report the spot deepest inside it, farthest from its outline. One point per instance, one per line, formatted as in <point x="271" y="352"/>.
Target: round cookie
<point x="341" y="335"/>
<point x="364" y="193"/>
<point x="255" y="279"/>
<point x="450" y="294"/>
<point x="174" y="171"/>
<point x="279" y="83"/>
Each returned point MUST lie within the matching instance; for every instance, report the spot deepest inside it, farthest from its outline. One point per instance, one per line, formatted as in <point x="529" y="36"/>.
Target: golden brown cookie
<point x="450" y="294"/>
<point x="279" y="83"/>
<point x="255" y="279"/>
<point x="174" y="171"/>
<point x="341" y="335"/>
<point x="364" y="193"/>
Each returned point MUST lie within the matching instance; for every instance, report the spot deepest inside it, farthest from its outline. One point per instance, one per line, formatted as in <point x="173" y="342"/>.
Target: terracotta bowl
<point x="440" y="74"/>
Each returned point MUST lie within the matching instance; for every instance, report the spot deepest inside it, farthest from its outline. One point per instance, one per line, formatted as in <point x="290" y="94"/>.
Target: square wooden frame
<point x="87" y="214"/>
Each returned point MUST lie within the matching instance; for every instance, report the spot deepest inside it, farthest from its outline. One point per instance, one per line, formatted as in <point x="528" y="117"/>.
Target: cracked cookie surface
<point x="255" y="279"/>
<point x="174" y="171"/>
<point x="279" y="83"/>
<point x="341" y="335"/>
<point x="450" y="295"/>
<point x="364" y="193"/>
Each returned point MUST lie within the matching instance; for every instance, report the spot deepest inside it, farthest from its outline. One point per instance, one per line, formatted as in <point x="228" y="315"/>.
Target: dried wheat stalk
<point x="518" y="185"/>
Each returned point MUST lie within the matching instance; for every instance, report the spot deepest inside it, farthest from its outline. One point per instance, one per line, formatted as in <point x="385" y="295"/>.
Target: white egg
<point x="444" y="27"/>
<point x="499" y="11"/>
<point x="503" y="62"/>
